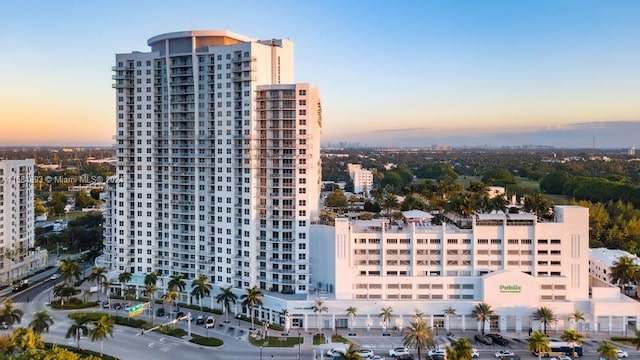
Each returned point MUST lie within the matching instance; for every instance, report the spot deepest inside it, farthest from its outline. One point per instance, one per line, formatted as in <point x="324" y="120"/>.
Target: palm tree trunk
<point x="78" y="336"/>
<point x="101" y="347"/>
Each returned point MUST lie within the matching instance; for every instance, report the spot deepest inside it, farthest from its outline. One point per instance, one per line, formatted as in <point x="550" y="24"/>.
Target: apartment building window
<point x="452" y="241"/>
<point x="483" y="241"/>
<point x="525" y="241"/>
<point x="542" y="241"/>
<point x="496" y="241"/>
<point x="513" y="242"/>
<point x="434" y="241"/>
<point x="555" y="241"/>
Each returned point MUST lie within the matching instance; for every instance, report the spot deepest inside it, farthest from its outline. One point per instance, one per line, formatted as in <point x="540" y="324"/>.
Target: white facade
<point x="218" y="164"/>
<point x="362" y="181"/>
<point x="601" y="260"/>
<point x="18" y="257"/>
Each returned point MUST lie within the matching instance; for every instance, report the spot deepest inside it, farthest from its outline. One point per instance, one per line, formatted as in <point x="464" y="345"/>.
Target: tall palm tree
<point x="171" y="296"/>
<point x="544" y="315"/>
<point x="576" y="316"/>
<point x="352" y="353"/>
<point x="41" y="322"/>
<point x="460" y="350"/>
<point x="77" y="329"/>
<point x="252" y="297"/>
<point x="102" y="329"/>
<point x="417" y="335"/>
<point x="448" y="313"/>
<point x="151" y="278"/>
<point x="124" y="278"/>
<point x="285" y="314"/>
<point x="201" y="288"/>
<point x="98" y="275"/>
<point x="319" y="308"/>
<point x="623" y="272"/>
<point x="351" y="313"/>
<point x="106" y="284"/>
<point x="636" y="341"/>
<point x="69" y="269"/>
<point x="573" y="337"/>
<point x="176" y="283"/>
<point x="608" y="351"/>
<point x="538" y="342"/>
<point x="130" y="292"/>
<point x="482" y="312"/>
<point x="226" y="298"/>
<point x="385" y="315"/>
<point x="27" y="340"/>
<point x="390" y="203"/>
<point x="150" y="292"/>
<point x="9" y="314"/>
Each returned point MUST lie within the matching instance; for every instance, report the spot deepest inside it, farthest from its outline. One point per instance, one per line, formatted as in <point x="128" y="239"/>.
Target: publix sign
<point x="510" y="288"/>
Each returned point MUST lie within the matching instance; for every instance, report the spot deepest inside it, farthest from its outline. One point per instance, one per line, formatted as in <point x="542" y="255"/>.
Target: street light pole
<point x="260" y="352"/>
<point x="299" y="345"/>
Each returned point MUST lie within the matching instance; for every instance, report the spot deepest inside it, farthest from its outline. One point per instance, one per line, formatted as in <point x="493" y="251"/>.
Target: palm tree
<point x="130" y="292"/>
<point x="10" y="314"/>
<point x="636" y="341"/>
<point x="226" y="298"/>
<point x="352" y="353"/>
<point x="482" y="312"/>
<point x="576" y="316"/>
<point x="417" y="335"/>
<point x="124" y="278"/>
<point x="27" y="340"/>
<point x="351" y="313"/>
<point x="150" y="292"/>
<point x="69" y="269"/>
<point x="106" y="284"/>
<point x="448" y="312"/>
<point x="544" y="315"/>
<point x="77" y="329"/>
<point x="98" y="274"/>
<point x="460" y="350"/>
<point x="390" y="203"/>
<point x="102" y="329"/>
<point x="170" y="297"/>
<point x="385" y="315"/>
<point x="176" y="283"/>
<point x="201" y="288"/>
<point x="623" y="272"/>
<point x="608" y="351"/>
<point x="319" y="308"/>
<point x="41" y="321"/>
<point x="151" y="278"/>
<point x="538" y="342"/>
<point x="252" y="297"/>
<point x="573" y="337"/>
<point x="285" y="314"/>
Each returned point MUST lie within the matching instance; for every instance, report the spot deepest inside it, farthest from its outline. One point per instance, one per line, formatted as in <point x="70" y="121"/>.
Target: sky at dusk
<point x="389" y="72"/>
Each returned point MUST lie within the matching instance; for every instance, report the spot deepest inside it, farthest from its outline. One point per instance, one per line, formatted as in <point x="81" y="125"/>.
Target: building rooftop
<point x="609" y="256"/>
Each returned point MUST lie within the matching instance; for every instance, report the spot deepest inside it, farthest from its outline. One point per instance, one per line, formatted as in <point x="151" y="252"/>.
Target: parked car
<point x="622" y="353"/>
<point x="483" y="339"/>
<point x="451" y="336"/>
<point x="365" y="353"/>
<point x="504" y="353"/>
<point x="562" y="357"/>
<point x="399" y="351"/>
<point x="200" y="320"/>
<point x="126" y="305"/>
<point x="160" y="312"/>
<point x="377" y="357"/>
<point x="179" y="314"/>
<point x="4" y="326"/>
<point x="210" y="322"/>
<point x="336" y="352"/>
<point x="117" y="306"/>
<point x="405" y="357"/>
<point x="437" y="353"/>
<point x="498" y="339"/>
<point x="54" y="276"/>
<point x="474" y="353"/>
<point x="106" y="305"/>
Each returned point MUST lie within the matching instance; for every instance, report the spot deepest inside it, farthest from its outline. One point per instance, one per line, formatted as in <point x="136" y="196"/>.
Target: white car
<point x="622" y="353"/>
<point x="504" y="353"/>
<point x="399" y="351"/>
<point x="54" y="276"/>
<point x="437" y="352"/>
<point x="474" y="353"/>
<point x="365" y="353"/>
<point x="452" y="337"/>
<point x="377" y="357"/>
<point x="336" y="352"/>
<point x="210" y="322"/>
<point x="562" y="357"/>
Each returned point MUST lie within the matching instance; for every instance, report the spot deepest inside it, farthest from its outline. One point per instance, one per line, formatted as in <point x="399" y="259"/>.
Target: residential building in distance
<point x="218" y="164"/>
<point x="362" y="179"/>
<point x="18" y="255"/>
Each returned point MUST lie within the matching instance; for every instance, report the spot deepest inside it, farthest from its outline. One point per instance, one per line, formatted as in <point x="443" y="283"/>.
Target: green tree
<point x="538" y="342"/>
<point x="98" y="275"/>
<point x="83" y="200"/>
<point x="319" y="308"/>
<point x="574" y="338"/>
<point x="176" y="282"/>
<point x="124" y="278"/>
<point x="78" y="329"/>
<point x="171" y="296"/>
<point x="417" y="335"/>
<point x="448" y="313"/>
<point x="608" y="351"/>
<point x="460" y="350"/>
<point x="576" y="317"/>
<point x="385" y="315"/>
<point x="636" y="341"/>
<point x="41" y="322"/>
<point x="252" y="297"/>
<point x="482" y="312"/>
<point x="623" y="271"/>
<point x="498" y="177"/>
<point x="9" y="314"/>
<point x="151" y="278"/>
<point x="200" y="287"/>
<point x="150" y="292"/>
<point x="351" y="313"/>
<point x="226" y="298"/>
<point x="27" y="341"/>
<point x="38" y="207"/>
<point x="336" y="199"/>
<point x="554" y="182"/>
<point x="69" y="270"/>
<point x="544" y="315"/>
<point x="102" y="329"/>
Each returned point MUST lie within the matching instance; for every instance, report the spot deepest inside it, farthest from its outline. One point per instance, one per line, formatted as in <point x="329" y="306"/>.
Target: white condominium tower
<point x="218" y="162"/>
<point x="18" y="257"/>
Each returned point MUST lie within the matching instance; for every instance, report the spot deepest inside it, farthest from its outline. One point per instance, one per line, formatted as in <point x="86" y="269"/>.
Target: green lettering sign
<point x="510" y="288"/>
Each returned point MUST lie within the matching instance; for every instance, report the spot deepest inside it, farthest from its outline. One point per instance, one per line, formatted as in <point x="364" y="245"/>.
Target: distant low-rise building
<point x="601" y="260"/>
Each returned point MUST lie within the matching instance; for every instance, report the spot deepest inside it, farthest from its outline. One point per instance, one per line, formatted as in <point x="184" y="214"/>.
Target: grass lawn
<point x="277" y="341"/>
<point x="71" y="216"/>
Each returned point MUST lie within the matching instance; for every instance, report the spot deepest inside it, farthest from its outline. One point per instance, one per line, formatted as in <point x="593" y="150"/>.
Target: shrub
<point x="206" y="341"/>
<point x="73" y="304"/>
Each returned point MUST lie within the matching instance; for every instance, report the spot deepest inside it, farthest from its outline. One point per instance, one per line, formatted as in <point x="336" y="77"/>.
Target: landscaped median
<point x="276" y="341"/>
<point x="145" y="325"/>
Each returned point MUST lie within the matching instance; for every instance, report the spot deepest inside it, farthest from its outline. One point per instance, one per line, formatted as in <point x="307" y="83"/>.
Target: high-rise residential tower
<point x="18" y="255"/>
<point x="218" y="162"/>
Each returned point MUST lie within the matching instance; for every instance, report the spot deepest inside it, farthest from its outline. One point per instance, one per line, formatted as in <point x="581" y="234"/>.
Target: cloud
<point x="401" y="130"/>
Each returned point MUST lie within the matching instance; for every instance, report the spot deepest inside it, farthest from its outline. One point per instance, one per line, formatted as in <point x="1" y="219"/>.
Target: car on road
<point x="405" y="357"/>
<point x="622" y="353"/>
<point x="106" y="305"/>
<point x="377" y="357"/>
<point x="365" y="353"/>
<point x="399" y="351"/>
<point x="179" y="314"/>
<point x="484" y="339"/>
<point x="452" y="337"/>
<point x="504" y="353"/>
<point x="117" y="306"/>
<point x="437" y="353"/>
<point x="336" y="352"/>
<point x="160" y="312"/>
<point x="4" y="326"/>
<point x="200" y="320"/>
<point x="474" y="353"/>
<point x="498" y="339"/>
<point x="210" y="322"/>
<point x="562" y="357"/>
<point x="54" y="276"/>
<point x="126" y="305"/>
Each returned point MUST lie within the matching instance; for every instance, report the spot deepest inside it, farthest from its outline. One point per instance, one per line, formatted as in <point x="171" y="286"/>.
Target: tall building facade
<point x="218" y="166"/>
<point x="18" y="256"/>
